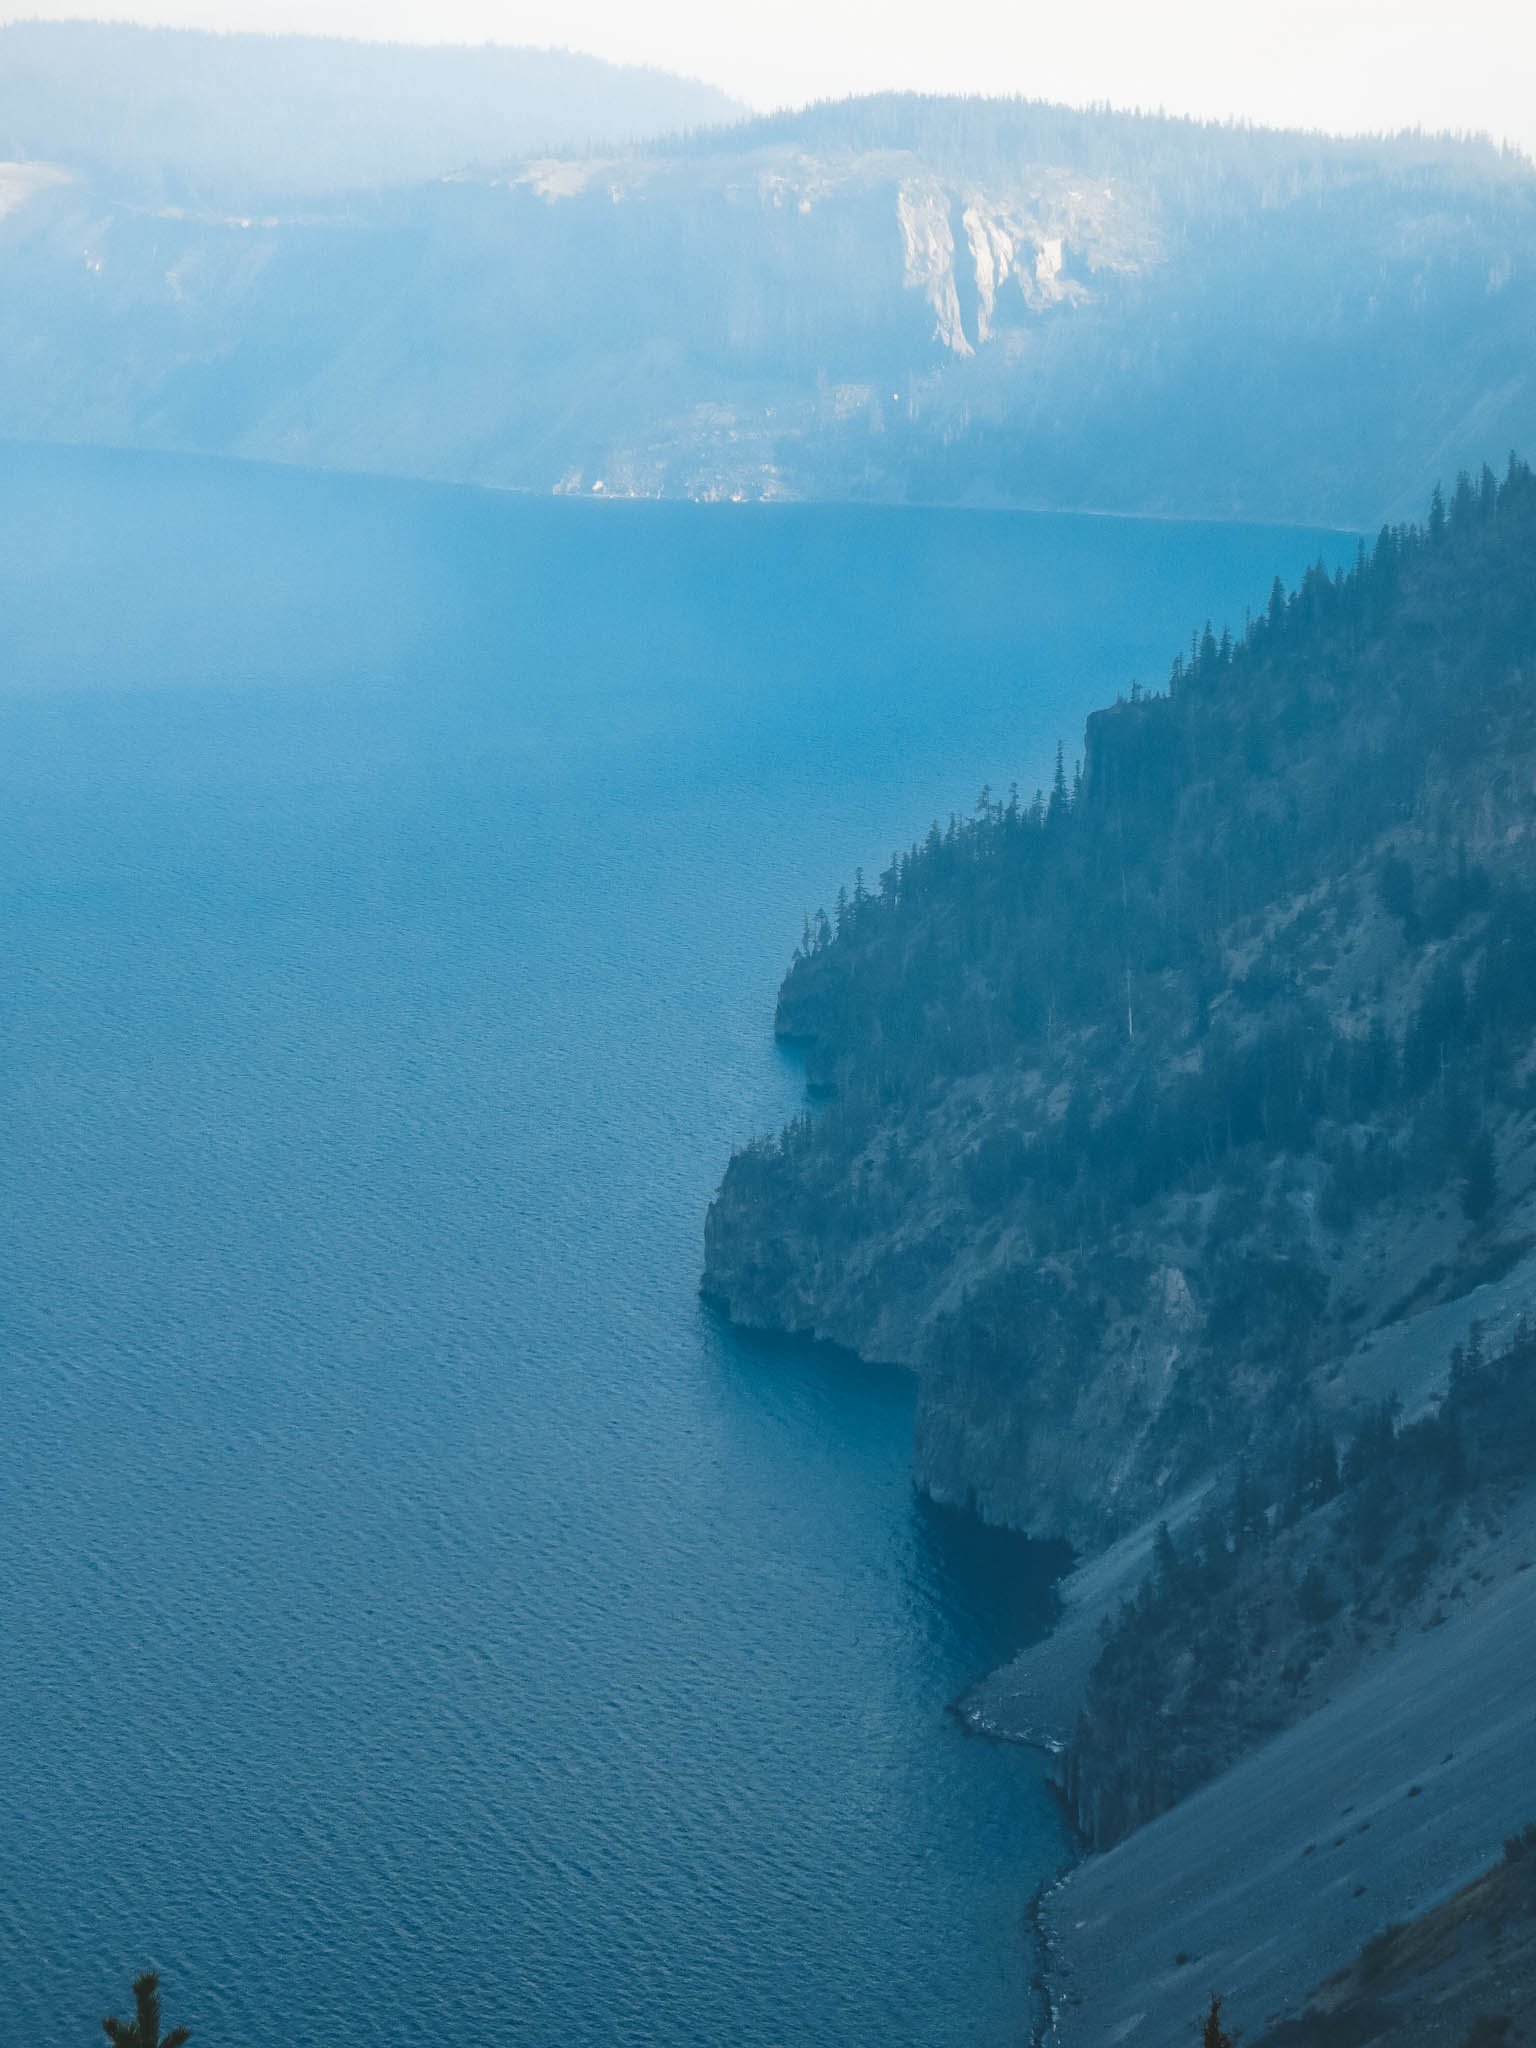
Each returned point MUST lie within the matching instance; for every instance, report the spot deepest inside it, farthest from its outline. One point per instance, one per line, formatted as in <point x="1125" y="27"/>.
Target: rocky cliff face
<point x="1045" y="1403"/>
<point x="1151" y="1105"/>
<point x="1178" y="1129"/>
<point x="893" y="299"/>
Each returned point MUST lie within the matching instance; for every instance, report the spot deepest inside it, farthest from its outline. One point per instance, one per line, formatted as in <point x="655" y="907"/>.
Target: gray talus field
<point x="1277" y="1874"/>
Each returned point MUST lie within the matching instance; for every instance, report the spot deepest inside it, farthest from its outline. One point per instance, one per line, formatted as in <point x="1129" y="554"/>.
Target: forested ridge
<point x="1213" y="166"/>
<point x="1261" y="768"/>
<point x="902" y="298"/>
<point x="1151" y="1092"/>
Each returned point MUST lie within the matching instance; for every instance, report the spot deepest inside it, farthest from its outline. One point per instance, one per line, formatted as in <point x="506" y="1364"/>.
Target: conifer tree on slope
<point x="143" y="2030"/>
<point x="1214" y="2034"/>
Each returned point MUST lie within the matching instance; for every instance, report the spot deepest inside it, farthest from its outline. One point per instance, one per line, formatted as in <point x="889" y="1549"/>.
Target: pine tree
<point x="1479" y="1179"/>
<point x="1059" y="797"/>
<point x="1165" y="1560"/>
<point x="143" y="2030"/>
<point x="1214" y="2034"/>
<point x="1314" y="1601"/>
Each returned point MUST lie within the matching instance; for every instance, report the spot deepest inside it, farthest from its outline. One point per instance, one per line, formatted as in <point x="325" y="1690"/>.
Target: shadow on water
<point x="983" y="1593"/>
<point x="844" y="1393"/>
<point x="832" y="1363"/>
<point x="997" y="1586"/>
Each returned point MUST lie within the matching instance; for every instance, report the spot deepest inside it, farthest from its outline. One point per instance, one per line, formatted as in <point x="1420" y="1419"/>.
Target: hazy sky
<point x="1330" y="63"/>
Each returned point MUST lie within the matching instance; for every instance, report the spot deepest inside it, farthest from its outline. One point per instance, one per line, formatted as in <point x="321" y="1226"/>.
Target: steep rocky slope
<point x="1039" y="1697"/>
<point x="1179" y="1129"/>
<point x="896" y="298"/>
<point x="1262" y="1611"/>
<point x="1152" y="1101"/>
<point x="1462" y="1975"/>
<point x="1375" y="1809"/>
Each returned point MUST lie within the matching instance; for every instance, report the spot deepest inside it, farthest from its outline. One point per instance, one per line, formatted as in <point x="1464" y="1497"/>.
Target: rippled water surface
<point x="421" y="1620"/>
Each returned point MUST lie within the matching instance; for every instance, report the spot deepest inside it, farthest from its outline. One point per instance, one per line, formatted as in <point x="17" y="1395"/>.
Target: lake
<point x="422" y="1617"/>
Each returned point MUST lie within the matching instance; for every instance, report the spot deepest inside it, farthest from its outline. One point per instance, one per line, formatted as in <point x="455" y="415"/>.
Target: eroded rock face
<point x="1007" y="258"/>
<point x="1054" y="1396"/>
<point x="1083" y="1449"/>
<point x="1050" y="1389"/>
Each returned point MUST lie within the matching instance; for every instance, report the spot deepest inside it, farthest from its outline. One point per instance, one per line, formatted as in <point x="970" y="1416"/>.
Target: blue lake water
<point x="421" y="1619"/>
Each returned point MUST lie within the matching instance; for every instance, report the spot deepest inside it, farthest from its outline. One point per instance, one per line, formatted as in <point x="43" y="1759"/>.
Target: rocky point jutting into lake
<point x="1179" y="1134"/>
<point x="487" y="533"/>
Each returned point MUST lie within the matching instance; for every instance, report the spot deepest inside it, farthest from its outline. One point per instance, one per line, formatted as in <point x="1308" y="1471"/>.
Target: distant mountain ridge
<point x="899" y="299"/>
<point x="187" y="112"/>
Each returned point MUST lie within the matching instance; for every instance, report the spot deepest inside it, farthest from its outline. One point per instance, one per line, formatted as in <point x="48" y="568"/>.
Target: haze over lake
<point x="419" y="1611"/>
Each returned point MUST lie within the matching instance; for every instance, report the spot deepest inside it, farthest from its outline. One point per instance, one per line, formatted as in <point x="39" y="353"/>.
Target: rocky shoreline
<point x="1360" y="1802"/>
<point x="1278" y="1873"/>
<point x="1183" y="1142"/>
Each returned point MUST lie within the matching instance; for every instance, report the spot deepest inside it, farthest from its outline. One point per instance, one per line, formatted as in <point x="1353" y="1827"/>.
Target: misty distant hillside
<point x="898" y="299"/>
<point x="185" y="111"/>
